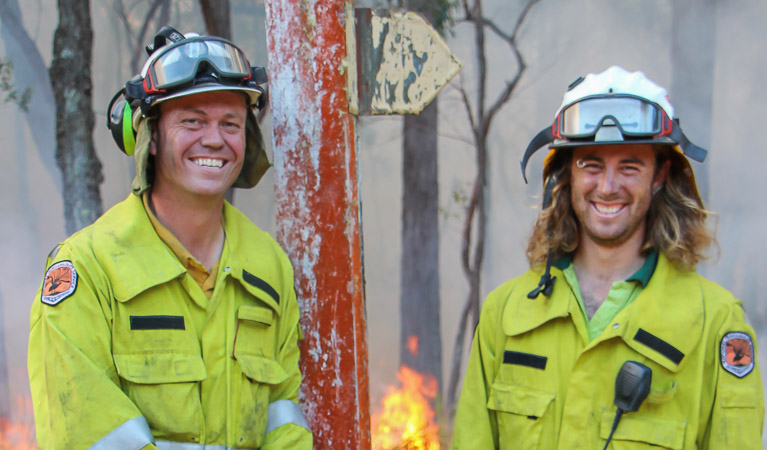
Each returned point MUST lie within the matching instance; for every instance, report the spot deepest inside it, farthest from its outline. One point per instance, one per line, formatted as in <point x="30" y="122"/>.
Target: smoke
<point x="561" y="41"/>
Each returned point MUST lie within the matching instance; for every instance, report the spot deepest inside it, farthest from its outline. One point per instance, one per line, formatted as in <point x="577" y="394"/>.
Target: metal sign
<point x="401" y="63"/>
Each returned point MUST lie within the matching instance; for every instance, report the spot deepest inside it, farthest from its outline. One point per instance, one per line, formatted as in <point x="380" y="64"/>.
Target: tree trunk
<point x="217" y="16"/>
<point x="70" y="74"/>
<point x="420" y="330"/>
<point x="30" y="71"/>
<point x="420" y="336"/>
<point x="693" y="35"/>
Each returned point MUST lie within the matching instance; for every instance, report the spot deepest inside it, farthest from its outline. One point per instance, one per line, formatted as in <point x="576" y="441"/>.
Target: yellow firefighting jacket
<point x="127" y="352"/>
<point x="535" y="381"/>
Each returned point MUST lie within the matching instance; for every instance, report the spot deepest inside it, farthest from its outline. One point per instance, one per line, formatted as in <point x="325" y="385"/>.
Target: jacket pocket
<point x="740" y="423"/>
<point x="636" y="432"/>
<point x="164" y="387"/>
<point x="521" y="412"/>
<point x="255" y="335"/>
<point x="260" y="375"/>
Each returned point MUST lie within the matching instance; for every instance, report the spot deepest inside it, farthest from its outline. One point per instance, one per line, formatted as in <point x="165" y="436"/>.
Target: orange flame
<point x="412" y="345"/>
<point x="407" y="421"/>
<point x="19" y="435"/>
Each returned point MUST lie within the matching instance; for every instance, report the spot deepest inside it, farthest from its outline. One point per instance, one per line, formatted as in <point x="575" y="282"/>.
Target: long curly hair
<point x="676" y="220"/>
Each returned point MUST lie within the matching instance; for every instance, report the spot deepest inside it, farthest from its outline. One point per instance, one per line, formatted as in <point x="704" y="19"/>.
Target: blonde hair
<point x="676" y="219"/>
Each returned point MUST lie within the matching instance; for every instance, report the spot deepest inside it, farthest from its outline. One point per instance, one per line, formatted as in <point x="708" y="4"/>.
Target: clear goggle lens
<point x="633" y="115"/>
<point x="179" y="63"/>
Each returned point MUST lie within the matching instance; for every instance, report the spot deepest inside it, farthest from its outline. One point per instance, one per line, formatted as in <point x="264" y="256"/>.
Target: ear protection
<point x="141" y="92"/>
<point x="120" y="123"/>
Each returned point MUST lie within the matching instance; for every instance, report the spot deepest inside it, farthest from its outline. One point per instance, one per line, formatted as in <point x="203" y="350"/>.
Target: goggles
<point x="178" y="64"/>
<point x="633" y="116"/>
<point x="636" y="118"/>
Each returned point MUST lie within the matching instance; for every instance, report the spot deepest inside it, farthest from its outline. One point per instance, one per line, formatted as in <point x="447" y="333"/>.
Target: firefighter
<point x="613" y="283"/>
<point x="171" y="322"/>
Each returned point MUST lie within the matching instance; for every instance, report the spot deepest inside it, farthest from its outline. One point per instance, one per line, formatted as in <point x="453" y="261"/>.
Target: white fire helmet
<point x="614" y="107"/>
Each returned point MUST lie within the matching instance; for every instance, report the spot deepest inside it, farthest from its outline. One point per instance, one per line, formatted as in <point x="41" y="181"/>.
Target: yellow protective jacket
<point x="126" y="352"/>
<point x="535" y="381"/>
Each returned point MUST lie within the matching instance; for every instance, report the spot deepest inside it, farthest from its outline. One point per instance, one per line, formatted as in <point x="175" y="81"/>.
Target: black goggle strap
<point x="162" y="37"/>
<point x="544" y="137"/>
<point x="546" y="284"/>
<point x="690" y="150"/>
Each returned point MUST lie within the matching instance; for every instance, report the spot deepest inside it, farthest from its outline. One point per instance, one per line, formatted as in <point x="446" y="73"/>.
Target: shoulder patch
<point x="59" y="283"/>
<point x="737" y="353"/>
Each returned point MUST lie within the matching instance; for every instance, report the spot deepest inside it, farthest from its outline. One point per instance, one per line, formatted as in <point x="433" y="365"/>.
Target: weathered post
<point x="318" y="211"/>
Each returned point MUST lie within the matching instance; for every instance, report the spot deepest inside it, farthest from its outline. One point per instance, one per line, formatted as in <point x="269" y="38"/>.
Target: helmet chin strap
<point x="546" y="284"/>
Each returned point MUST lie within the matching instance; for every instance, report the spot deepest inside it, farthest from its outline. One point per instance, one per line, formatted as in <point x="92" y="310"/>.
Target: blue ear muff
<point x="120" y="123"/>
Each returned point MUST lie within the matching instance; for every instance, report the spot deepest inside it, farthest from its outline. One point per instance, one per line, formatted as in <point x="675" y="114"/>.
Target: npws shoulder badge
<point x="60" y="282"/>
<point x="737" y="353"/>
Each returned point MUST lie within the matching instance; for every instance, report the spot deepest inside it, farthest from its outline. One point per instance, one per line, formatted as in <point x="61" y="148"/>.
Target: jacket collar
<point x="669" y="311"/>
<point x="665" y="322"/>
<point x="523" y="315"/>
<point x="130" y="251"/>
<point x="135" y="258"/>
<point x="254" y="259"/>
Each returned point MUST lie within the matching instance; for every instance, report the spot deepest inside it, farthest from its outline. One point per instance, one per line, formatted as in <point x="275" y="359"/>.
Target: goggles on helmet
<point x="178" y="64"/>
<point x="637" y="119"/>
<point x="191" y="64"/>
<point x="634" y="116"/>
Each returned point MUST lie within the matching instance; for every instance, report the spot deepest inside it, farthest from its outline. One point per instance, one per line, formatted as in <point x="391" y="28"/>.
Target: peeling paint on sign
<point x="402" y="63"/>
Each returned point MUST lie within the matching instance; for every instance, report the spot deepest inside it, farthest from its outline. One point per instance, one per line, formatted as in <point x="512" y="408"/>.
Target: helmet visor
<point x="179" y="63"/>
<point x="634" y="116"/>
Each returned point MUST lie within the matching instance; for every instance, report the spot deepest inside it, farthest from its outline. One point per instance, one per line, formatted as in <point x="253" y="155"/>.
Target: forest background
<point x="710" y="54"/>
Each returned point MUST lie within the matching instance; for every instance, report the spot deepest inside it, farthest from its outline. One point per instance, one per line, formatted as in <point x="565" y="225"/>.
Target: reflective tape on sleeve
<point x="283" y="412"/>
<point x="133" y="433"/>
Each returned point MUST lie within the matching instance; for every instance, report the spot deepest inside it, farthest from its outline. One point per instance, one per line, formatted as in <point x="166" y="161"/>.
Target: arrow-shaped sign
<point x="401" y="63"/>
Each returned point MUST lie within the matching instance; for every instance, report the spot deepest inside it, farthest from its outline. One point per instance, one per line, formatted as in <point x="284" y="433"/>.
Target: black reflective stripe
<point x="261" y="284"/>
<point x="659" y="345"/>
<point x="524" y="359"/>
<point x="157" y="323"/>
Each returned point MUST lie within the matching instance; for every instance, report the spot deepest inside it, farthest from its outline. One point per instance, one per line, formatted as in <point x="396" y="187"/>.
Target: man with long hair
<point x="612" y="317"/>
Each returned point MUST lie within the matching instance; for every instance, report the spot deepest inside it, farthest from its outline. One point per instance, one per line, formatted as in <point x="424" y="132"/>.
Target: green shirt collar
<point x="642" y="275"/>
<point x="645" y="272"/>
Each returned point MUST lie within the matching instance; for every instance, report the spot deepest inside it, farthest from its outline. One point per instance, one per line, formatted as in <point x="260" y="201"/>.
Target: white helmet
<point x="613" y="107"/>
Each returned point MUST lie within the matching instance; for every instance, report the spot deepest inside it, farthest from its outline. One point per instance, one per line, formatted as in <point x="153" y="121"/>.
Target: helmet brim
<point x="252" y="93"/>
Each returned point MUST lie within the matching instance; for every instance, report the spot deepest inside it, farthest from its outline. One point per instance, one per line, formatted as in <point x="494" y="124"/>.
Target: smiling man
<point x="612" y="288"/>
<point x="171" y="322"/>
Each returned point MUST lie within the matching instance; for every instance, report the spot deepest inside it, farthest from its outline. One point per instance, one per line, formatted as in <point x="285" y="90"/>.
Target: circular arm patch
<point x="737" y="353"/>
<point x="60" y="282"/>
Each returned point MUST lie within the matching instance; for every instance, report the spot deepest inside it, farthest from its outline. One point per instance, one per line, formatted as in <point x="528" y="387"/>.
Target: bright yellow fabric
<point x="205" y="278"/>
<point x="209" y="383"/>
<point x="694" y="404"/>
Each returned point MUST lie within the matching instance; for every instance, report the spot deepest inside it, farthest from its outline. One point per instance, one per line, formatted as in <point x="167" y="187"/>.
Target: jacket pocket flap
<point x="518" y="399"/>
<point x="262" y="369"/>
<point x="737" y="395"/>
<point x="658" y="432"/>
<point x="157" y="368"/>
<point x="256" y="314"/>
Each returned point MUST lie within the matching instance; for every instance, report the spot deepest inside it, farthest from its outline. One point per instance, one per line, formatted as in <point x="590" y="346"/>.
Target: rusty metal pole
<point x="318" y="211"/>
